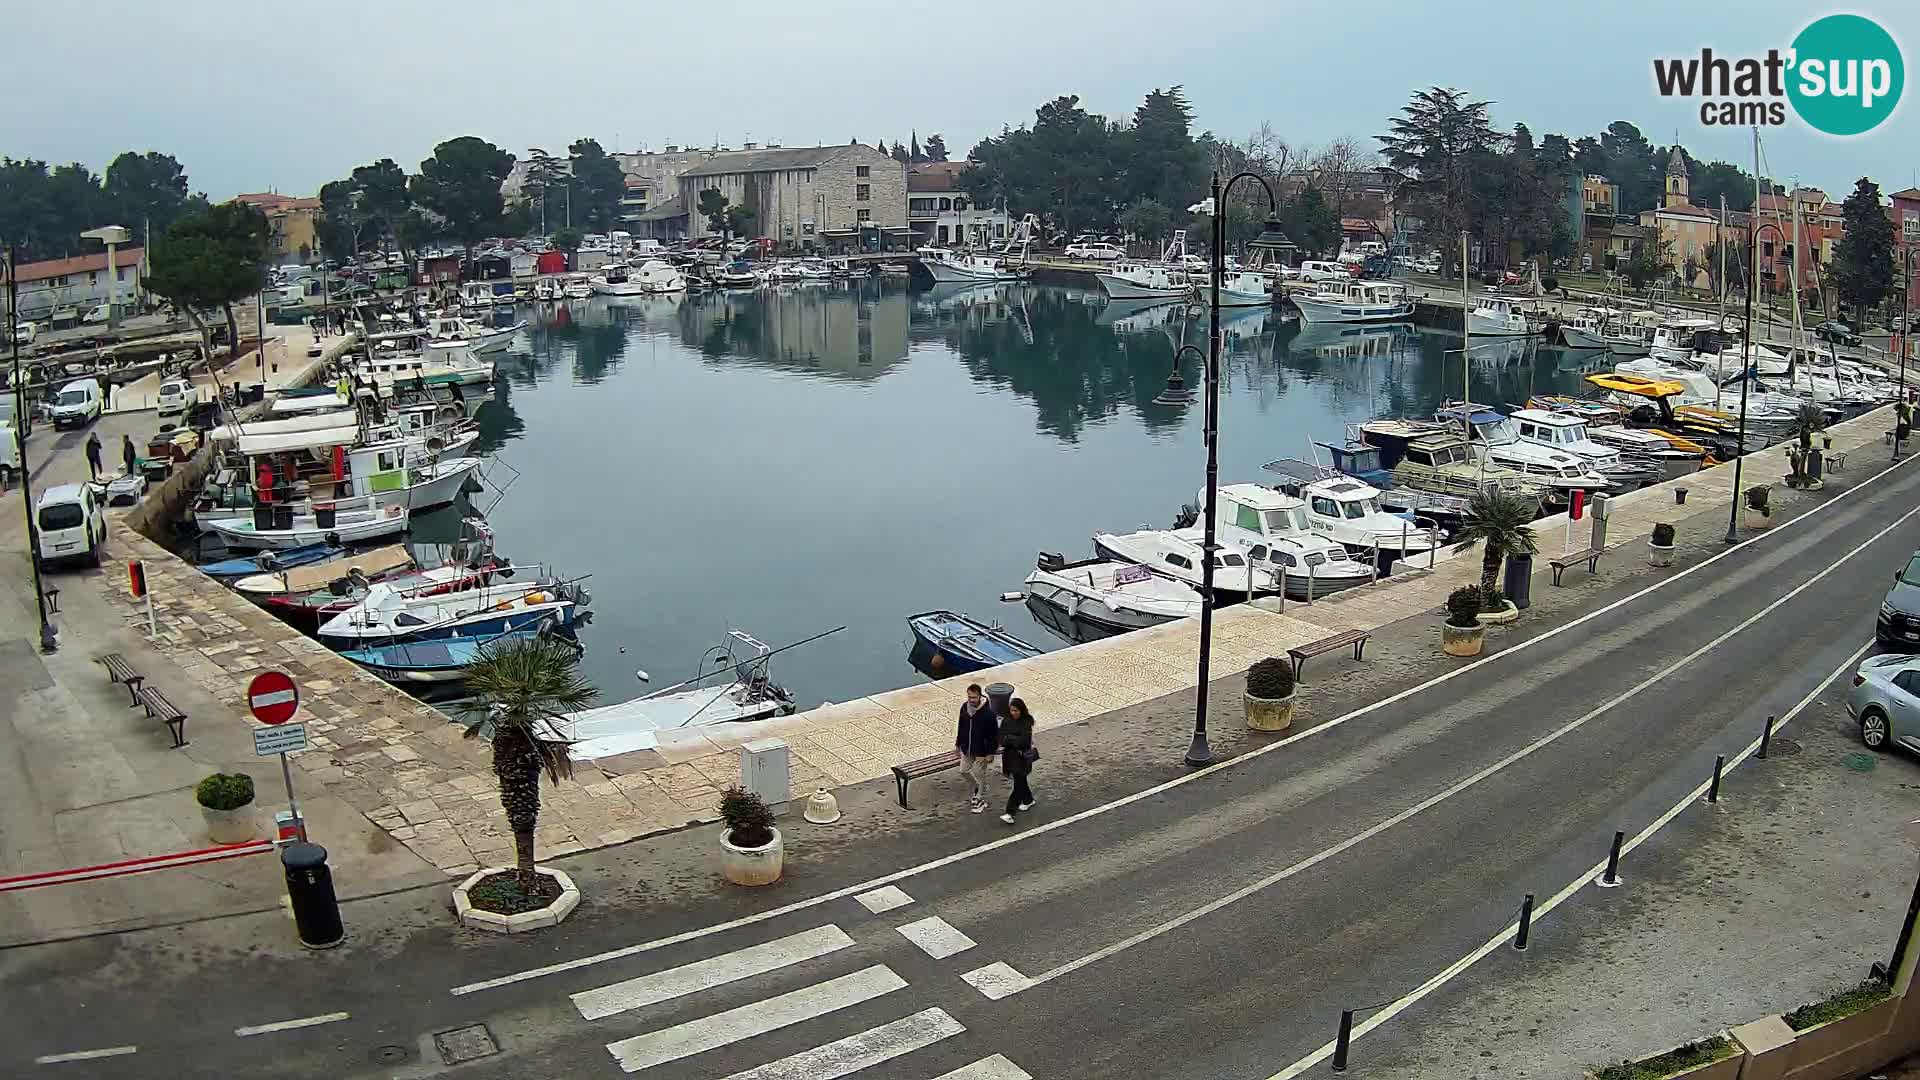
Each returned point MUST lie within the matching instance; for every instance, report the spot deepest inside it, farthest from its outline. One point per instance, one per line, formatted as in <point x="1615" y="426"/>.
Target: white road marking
<point x="936" y="937"/>
<point x="758" y="1018"/>
<point x="884" y="899"/>
<point x="1028" y="833"/>
<point x="85" y="1055"/>
<point x="997" y="980"/>
<point x="1433" y="800"/>
<point x="844" y="1057"/>
<point x="996" y="1067"/>
<point x="1505" y="936"/>
<point x="711" y="972"/>
<point x="289" y="1025"/>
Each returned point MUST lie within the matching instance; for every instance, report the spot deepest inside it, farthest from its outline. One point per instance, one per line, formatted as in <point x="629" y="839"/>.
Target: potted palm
<point x="521" y="688"/>
<point x="1462" y="634"/>
<point x="226" y="803"/>
<point x="1498" y="520"/>
<point x="1269" y="695"/>
<point x="1759" y="508"/>
<point x="1660" y="546"/>
<point x="751" y="852"/>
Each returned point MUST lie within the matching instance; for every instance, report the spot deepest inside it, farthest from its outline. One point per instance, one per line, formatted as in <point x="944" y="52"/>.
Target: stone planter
<point x="1269" y="714"/>
<point x="752" y="866"/>
<point x="1835" y="1038"/>
<point x="1462" y="640"/>
<point x="551" y="915"/>
<point x="1727" y="1068"/>
<point x="1505" y="615"/>
<point x="1659" y="555"/>
<point x="235" y="826"/>
<point x="1755" y="519"/>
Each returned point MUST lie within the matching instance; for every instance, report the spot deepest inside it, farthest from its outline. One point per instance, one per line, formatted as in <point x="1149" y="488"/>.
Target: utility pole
<point x="49" y="641"/>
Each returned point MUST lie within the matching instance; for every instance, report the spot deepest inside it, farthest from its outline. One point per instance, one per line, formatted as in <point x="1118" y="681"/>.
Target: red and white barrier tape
<point x="135" y="866"/>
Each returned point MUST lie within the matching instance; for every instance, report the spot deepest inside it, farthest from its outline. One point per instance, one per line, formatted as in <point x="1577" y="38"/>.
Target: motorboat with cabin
<point x="578" y="287"/>
<point x="389" y="614"/>
<point x="547" y="290"/>
<point x="1348" y="510"/>
<point x="1494" y="438"/>
<point x="1630" y="333"/>
<point x="1110" y="597"/>
<point x="456" y="328"/>
<point x="616" y="279"/>
<point x="454" y="362"/>
<point x="951" y="266"/>
<point x="1586" y="330"/>
<point x="1437" y="459"/>
<point x="1135" y="279"/>
<point x="1176" y="554"/>
<point x="1568" y="435"/>
<point x="1356" y="301"/>
<point x="1272" y="530"/>
<point x="1497" y="316"/>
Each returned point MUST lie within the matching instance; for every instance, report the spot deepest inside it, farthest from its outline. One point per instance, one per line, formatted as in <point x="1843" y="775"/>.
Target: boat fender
<point x="1012" y="597"/>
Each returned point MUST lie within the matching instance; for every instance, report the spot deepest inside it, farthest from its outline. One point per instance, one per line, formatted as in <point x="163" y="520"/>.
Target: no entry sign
<point x="272" y="697"/>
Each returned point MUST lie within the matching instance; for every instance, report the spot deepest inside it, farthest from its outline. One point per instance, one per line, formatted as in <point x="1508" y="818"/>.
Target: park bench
<point x="1836" y="460"/>
<point x="1574" y="558"/>
<point x="120" y="672"/>
<point x="926" y="766"/>
<point x="1355" y="638"/>
<point x="159" y="708"/>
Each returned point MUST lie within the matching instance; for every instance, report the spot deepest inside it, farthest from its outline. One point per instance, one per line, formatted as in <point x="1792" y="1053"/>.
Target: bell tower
<point x="1676" y="178"/>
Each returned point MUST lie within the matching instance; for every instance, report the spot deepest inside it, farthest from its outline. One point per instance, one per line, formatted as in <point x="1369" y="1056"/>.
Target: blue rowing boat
<point x="269" y="561"/>
<point x="439" y="660"/>
<point x="953" y="643"/>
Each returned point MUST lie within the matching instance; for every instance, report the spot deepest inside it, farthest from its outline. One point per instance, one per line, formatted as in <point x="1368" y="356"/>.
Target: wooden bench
<point x="120" y="672"/>
<point x="1574" y="558"/>
<point x="926" y="766"/>
<point x="1836" y="460"/>
<point x="1355" y="638"/>
<point x="159" y="708"/>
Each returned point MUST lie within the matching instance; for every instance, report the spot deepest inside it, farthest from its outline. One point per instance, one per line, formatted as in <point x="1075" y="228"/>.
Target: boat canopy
<point x="1638" y="385"/>
<point x="282" y="426"/>
<point x="303" y="403"/>
<point x="251" y="444"/>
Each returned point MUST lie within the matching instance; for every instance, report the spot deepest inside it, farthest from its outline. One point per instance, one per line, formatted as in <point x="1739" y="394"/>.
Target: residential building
<point x="808" y="196"/>
<point x="292" y="221"/>
<point x="942" y="214"/>
<point x="1905" y="213"/>
<point x="1685" y="231"/>
<point x="68" y="288"/>
<point x="1622" y="237"/>
<point x="1821" y="225"/>
<point x="1594" y="227"/>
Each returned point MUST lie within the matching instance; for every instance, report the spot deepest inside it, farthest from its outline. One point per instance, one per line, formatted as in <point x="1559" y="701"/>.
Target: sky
<point x="284" y="97"/>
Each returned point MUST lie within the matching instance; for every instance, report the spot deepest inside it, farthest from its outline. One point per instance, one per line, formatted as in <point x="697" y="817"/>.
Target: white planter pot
<point x="551" y="915"/>
<point x="752" y="866"/>
<point x="1269" y="714"/>
<point x="1505" y="615"/>
<point x="1658" y="555"/>
<point x="1754" y="519"/>
<point x="230" y="826"/>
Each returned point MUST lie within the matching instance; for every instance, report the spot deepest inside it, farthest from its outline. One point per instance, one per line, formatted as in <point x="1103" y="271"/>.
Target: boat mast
<point x="1720" y="241"/>
<point x="1793" y="279"/>
<point x="1466" y="331"/>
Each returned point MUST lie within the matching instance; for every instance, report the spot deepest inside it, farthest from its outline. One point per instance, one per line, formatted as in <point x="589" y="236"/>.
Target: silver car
<point x="1885" y="701"/>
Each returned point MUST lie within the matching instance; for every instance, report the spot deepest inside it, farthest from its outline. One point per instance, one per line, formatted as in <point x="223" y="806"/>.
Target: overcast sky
<point x="256" y="96"/>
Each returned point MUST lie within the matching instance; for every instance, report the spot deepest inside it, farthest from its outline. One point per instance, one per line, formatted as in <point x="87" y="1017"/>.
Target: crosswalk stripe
<point x="758" y="1018"/>
<point x="936" y="937"/>
<point x="843" y="1057"/>
<point x="714" y="971"/>
<point x="996" y="1067"/>
<point x="884" y="898"/>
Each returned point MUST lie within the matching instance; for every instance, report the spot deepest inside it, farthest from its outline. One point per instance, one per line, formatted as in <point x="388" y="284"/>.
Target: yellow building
<point x="1685" y="230"/>
<point x="291" y="220"/>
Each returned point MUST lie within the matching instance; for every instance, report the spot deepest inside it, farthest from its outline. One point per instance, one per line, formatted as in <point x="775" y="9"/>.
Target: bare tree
<point x="1340" y="167"/>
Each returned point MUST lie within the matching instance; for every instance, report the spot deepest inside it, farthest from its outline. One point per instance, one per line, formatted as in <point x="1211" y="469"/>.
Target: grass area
<point x="511" y="893"/>
<point x="1838" y="1006"/>
<point x="1704" y="1052"/>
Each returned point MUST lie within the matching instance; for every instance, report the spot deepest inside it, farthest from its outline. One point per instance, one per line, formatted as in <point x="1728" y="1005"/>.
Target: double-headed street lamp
<point x="1746" y="378"/>
<point x="1176" y="393"/>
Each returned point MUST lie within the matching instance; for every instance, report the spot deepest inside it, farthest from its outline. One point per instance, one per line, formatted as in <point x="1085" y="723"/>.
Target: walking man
<point x="978" y="741"/>
<point x="93" y="454"/>
<point x="128" y="454"/>
<point x="1902" y="423"/>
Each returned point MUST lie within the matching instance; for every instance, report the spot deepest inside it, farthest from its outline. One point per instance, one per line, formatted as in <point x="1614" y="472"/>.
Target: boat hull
<point x="1483" y="326"/>
<point x="240" y="535"/>
<point x="1576" y="338"/>
<point x="1121" y="289"/>
<point x="1093" y="611"/>
<point x="479" y="624"/>
<point x="1324" y="311"/>
<point x="948" y="274"/>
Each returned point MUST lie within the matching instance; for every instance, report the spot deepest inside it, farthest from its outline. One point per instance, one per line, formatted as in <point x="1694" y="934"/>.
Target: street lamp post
<point x="49" y="640"/>
<point x="1906" y="293"/>
<point x="1198" y="752"/>
<point x="1746" y="378"/>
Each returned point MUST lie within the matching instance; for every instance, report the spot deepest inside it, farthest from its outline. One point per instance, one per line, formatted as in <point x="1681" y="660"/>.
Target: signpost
<point x="274" y="699"/>
<point x="137" y="584"/>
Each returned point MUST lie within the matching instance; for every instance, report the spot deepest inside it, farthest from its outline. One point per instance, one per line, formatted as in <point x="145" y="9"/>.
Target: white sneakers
<point x="1008" y="818"/>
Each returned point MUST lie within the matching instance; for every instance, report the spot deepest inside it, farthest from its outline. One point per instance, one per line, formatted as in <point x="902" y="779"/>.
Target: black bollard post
<point x="1713" y="790"/>
<point x="1612" y="877"/>
<point x="1340" y="1042"/>
<point x="1526" y="924"/>
<point x="316" y="912"/>
<point x="1766" y="738"/>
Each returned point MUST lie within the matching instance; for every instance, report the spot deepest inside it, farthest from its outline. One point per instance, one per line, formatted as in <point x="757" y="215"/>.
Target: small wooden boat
<point x="270" y="562"/>
<point x="954" y="643"/>
<point x="442" y="660"/>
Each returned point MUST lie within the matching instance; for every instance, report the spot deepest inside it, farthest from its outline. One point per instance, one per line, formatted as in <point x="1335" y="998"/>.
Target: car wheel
<point x="1873" y="729"/>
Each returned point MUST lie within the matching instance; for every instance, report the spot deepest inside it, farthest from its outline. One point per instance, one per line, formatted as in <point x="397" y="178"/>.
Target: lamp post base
<point x="49" y="640"/>
<point x="1199" y="753"/>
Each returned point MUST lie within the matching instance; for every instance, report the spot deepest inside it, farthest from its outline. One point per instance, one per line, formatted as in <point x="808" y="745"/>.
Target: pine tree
<point x="914" y="156"/>
<point x="1863" y="260"/>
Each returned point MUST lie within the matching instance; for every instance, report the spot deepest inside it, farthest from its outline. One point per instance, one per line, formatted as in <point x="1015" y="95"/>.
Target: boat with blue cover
<point x="953" y="643"/>
<point x="439" y="660"/>
<point x="268" y="562"/>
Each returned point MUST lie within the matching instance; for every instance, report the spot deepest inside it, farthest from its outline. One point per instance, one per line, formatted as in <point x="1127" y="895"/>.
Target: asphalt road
<point x="1212" y="927"/>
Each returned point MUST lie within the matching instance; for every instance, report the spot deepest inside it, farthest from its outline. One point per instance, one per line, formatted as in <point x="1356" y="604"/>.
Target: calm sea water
<point x="785" y="462"/>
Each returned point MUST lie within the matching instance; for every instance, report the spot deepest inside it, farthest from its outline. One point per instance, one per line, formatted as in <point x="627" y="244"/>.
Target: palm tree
<point x="521" y="686"/>
<point x="1500" y="519"/>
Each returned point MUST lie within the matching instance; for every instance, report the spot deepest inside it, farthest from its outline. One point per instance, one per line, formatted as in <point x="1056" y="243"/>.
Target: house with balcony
<point x="290" y="221"/>
<point x="1904" y="212"/>
<point x="942" y="215"/>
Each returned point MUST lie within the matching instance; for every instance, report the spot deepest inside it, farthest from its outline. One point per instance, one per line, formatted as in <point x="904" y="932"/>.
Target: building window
<point x="862" y="192"/>
<point x="946" y="204"/>
<point x="864" y="215"/>
<point x="863" y="170"/>
<point x="93" y="277"/>
<point x="1766" y="249"/>
<point x="806" y="228"/>
<point x="1910" y="225"/>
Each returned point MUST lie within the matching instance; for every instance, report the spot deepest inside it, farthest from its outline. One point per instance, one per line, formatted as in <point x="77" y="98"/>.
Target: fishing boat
<point x="1434" y="459"/>
<point x="1497" y="316"/>
<point x="1495" y="438"/>
<point x="1630" y="333"/>
<point x="388" y="614"/>
<point x="547" y="291"/>
<point x="616" y="279"/>
<point x="280" y="527"/>
<point x="955" y="643"/>
<point x="440" y="661"/>
<point x="454" y="328"/>
<point x="1176" y="554"/>
<point x="1356" y="458"/>
<point x="1348" y="510"/>
<point x="949" y="266"/>
<point x="400" y="474"/>
<point x="1568" y="435"/>
<point x="1271" y="529"/>
<point x="578" y="288"/>
<point x="1682" y="339"/>
<point x="1111" y="597"/>
<point x="268" y="562"/>
<point x="1584" y="331"/>
<point x="1133" y="279"/>
<point x="1356" y="302"/>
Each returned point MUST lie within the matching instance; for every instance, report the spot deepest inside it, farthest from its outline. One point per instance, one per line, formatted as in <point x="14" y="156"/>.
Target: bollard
<point x="1526" y="924"/>
<point x="1342" y="1040"/>
<point x="1713" y="790"/>
<point x="1612" y="877"/>
<point x="1766" y="738"/>
<point x="316" y="913"/>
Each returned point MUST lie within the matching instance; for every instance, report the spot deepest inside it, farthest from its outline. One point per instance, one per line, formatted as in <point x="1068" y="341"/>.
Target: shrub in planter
<point x="1660" y="546"/>
<point x="1495" y="610"/>
<point x="1674" y="1062"/>
<point x="1269" y="696"/>
<point x="751" y="852"/>
<point x="226" y="803"/>
<point x="1463" y="606"/>
<point x="1462" y="634"/>
<point x="1759" y="507"/>
<point x="1838" y="1006"/>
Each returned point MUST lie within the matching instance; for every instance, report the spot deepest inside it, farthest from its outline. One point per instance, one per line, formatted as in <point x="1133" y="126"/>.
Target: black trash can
<point x="1815" y="465"/>
<point x="998" y="694"/>
<point x="282" y="516"/>
<point x="1518" y="584"/>
<point x="323" y="515"/>
<point x="316" y="913"/>
<point x="263" y="517"/>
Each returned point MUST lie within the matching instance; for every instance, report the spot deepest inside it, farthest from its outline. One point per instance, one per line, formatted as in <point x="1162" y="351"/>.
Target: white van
<point x="9" y="453"/>
<point x="25" y="331"/>
<point x="73" y="527"/>
<point x="1312" y="270"/>
<point x="77" y="405"/>
<point x="175" y="396"/>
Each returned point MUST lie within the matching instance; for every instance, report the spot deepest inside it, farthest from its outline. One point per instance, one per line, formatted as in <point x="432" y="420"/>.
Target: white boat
<point x="1495" y="439"/>
<point x="643" y="723"/>
<point x="454" y="328"/>
<point x="1497" y="316"/>
<point x="476" y="294"/>
<point x="372" y="478"/>
<point x="616" y="279"/>
<point x="578" y="288"/>
<point x="388" y="614"/>
<point x="1111" y="597"/>
<point x="345" y="527"/>
<point x="287" y="405"/>
<point x="1630" y="333"/>
<point x="1347" y="509"/>
<point x="1132" y="279"/>
<point x="450" y="361"/>
<point x="547" y="291"/>
<point x="1671" y="462"/>
<point x="948" y="266"/>
<point x="1586" y="330"/>
<point x="1356" y="302"/>
<point x="1678" y="340"/>
<point x="1568" y="434"/>
<point x="655" y="276"/>
<point x="1175" y="553"/>
<point x="1271" y="529"/>
<point x="313" y="576"/>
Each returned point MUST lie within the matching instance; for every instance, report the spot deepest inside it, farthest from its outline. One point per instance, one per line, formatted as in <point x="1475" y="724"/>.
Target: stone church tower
<point x="1676" y="179"/>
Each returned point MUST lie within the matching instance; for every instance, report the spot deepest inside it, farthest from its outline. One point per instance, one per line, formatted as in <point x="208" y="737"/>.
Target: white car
<point x="98" y="314"/>
<point x="24" y="332"/>
<point x="72" y="525"/>
<point x="175" y="396"/>
<point x="1095" y="252"/>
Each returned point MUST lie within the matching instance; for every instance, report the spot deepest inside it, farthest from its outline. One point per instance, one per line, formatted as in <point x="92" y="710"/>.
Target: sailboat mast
<point x="1720" y="241"/>
<point x="1466" y="331"/>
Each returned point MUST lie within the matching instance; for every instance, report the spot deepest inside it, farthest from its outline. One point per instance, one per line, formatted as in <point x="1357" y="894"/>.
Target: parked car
<point x="1885" y="701"/>
<point x="1899" y="623"/>
<point x="26" y="331"/>
<point x="72" y="525"/>
<point x="1095" y="252"/>
<point x="1318" y="270"/>
<point x="77" y="405"/>
<point x="1837" y="332"/>
<point x="174" y="397"/>
<point x="95" y="315"/>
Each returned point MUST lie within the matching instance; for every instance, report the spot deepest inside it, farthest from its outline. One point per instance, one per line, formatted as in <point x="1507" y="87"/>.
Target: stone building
<point x="807" y="196"/>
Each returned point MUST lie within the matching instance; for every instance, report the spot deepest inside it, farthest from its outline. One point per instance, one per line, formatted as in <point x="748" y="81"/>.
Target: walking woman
<point x="1018" y="756"/>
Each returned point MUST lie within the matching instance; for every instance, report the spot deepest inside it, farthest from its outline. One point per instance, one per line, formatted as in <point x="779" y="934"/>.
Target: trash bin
<point x="1518" y="584"/>
<point x="263" y="517"/>
<point x="323" y="515"/>
<point x="1815" y="465"/>
<point x="998" y="694"/>
<point x="282" y="516"/>
<point x="316" y="913"/>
